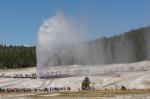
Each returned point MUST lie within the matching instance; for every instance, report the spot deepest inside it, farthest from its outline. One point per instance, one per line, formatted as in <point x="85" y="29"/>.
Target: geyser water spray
<point x="55" y="32"/>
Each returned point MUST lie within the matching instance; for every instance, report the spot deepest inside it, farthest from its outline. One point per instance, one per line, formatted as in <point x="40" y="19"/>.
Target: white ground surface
<point x="133" y="76"/>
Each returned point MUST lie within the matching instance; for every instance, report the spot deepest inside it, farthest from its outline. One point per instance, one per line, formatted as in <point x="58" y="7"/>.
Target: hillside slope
<point x="132" y="46"/>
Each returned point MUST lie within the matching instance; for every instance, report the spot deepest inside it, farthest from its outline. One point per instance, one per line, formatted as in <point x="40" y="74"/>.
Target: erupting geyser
<point x="55" y="32"/>
<point x="61" y="42"/>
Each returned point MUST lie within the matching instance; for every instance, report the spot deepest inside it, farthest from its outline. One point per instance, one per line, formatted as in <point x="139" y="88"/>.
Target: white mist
<point x="55" y="32"/>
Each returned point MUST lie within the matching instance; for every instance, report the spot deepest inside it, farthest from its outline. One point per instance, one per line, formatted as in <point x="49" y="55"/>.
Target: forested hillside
<point x="132" y="46"/>
<point x="17" y="56"/>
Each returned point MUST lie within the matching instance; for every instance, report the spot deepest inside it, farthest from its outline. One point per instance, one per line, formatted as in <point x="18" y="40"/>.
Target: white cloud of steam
<point x="55" y="32"/>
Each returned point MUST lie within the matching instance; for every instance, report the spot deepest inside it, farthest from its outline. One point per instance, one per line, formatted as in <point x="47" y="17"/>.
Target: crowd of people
<point x="42" y="76"/>
<point x="128" y="69"/>
<point x="32" y="75"/>
<point x="29" y="90"/>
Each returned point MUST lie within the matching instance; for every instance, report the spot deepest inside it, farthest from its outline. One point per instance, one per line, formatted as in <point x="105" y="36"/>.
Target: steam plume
<point x="55" y="32"/>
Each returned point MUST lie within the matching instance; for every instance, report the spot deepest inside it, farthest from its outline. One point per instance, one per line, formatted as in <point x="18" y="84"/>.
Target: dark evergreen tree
<point x="86" y="84"/>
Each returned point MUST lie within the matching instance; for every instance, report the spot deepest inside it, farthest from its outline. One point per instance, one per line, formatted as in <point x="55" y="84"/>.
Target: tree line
<point x="17" y="56"/>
